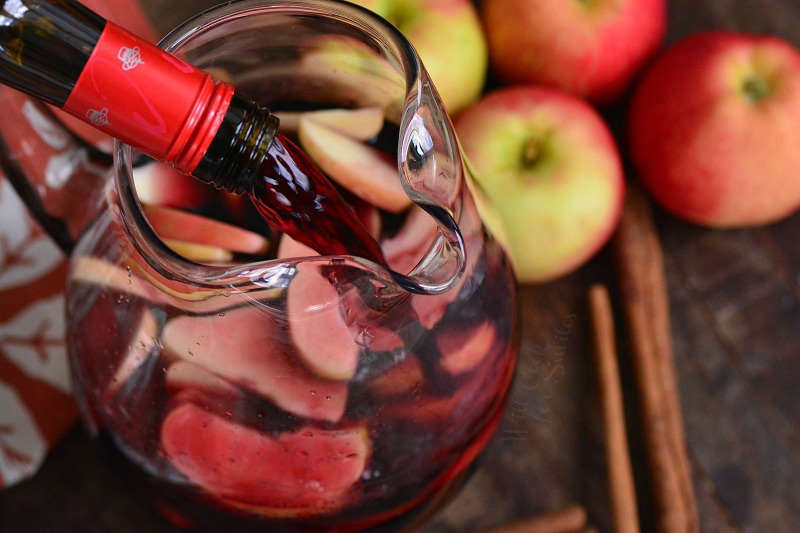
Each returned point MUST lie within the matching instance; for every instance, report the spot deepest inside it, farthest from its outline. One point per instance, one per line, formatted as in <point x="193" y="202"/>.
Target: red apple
<point x="551" y="174"/>
<point x="591" y="48"/>
<point x="712" y="129"/>
<point x="448" y="36"/>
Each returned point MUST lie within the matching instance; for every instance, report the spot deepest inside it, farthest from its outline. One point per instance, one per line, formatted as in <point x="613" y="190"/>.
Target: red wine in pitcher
<point x="302" y="410"/>
<point x="279" y="399"/>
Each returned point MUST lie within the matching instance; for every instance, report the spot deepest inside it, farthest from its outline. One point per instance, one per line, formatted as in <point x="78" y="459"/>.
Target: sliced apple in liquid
<point x="140" y="348"/>
<point x="402" y="378"/>
<point x="359" y="124"/>
<point x="405" y="249"/>
<point x="369" y="327"/>
<point x="462" y="352"/>
<point x="160" y="184"/>
<point x="185" y="375"/>
<point x="452" y="408"/>
<point x="359" y="168"/>
<point x="317" y="327"/>
<point x="173" y="224"/>
<point x="307" y="472"/>
<point x="96" y="271"/>
<point x="244" y="347"/>
<point x="200" y="253"/>
<point x="431" y="309"/>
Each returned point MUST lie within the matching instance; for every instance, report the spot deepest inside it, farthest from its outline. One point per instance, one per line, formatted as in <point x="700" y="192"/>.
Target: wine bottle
<point x="65" y="54"/>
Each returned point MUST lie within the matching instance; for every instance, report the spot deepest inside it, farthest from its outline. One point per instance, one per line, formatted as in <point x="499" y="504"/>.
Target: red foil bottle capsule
<point x="67" y="55"/>
<point x="149" y="99"/>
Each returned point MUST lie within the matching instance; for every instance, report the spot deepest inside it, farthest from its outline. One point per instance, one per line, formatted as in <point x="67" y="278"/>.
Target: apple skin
<point x="590" y="49"/>
<point x="559" y="207"/>
<point x="448" y="37"/>
<point x="703" y="148"/>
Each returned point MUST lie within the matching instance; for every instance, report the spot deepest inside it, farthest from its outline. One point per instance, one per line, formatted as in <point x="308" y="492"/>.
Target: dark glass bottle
<point x="63" y="53"/>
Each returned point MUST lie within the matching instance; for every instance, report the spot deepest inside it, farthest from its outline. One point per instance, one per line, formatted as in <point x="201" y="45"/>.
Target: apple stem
<point x="531" y="153"/>
<point x="756" y="88"/>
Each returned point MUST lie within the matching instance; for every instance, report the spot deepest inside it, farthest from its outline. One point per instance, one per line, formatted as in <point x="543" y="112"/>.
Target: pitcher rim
<point x="174" y="266"/>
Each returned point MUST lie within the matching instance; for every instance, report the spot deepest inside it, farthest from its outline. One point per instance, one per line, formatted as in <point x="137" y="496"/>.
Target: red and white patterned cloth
<point x="36" y="407"/>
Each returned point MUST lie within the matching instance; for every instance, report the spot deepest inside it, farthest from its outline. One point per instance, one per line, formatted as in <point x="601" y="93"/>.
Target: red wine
<point x="295" y="197"/>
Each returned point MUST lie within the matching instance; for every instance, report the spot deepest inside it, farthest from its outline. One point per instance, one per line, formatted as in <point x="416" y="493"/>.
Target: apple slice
<point x="336" y="362"/>
<point x="402" y="378"/>
<point x="136" y="279"/>
<point x="139" y="349"/>
<point x="369" y="327"/>
<point x="187" y="227"/>
<point x="456" y="408"/>
<point x="243" y="346"/>
<point x="185" y="375"/>
<point x="464" y="352"/>
<point x="431" y="309"/>
<point x="307" y="472"/>
<point x="409" y="245"/>
<point x="317" y="327"/>
<point x="359" y="124"/>
<point x="160" y="184"/>
<point x="96" y="271"/>
<point x="201" y="253"/>
<point x="345" y="69"/>
<point x="359" y="168"/>
<point x="290" y="248"/>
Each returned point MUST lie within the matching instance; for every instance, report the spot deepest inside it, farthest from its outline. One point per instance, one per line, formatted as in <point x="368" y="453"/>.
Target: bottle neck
<point x="235" y="155"/>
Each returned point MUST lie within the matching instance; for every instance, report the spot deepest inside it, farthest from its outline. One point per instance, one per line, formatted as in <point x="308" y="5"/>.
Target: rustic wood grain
<point x="735" y="302"/>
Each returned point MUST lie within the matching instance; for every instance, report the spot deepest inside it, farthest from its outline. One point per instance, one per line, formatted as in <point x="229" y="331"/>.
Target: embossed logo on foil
<point x="98" y="118"/>
<point x="130" y="57"/>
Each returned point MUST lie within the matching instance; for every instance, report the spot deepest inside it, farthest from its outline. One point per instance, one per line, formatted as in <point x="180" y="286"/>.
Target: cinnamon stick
<point x="620" y="477"/>
<point x="568" y="520"/>
<point x="640" y="267"/>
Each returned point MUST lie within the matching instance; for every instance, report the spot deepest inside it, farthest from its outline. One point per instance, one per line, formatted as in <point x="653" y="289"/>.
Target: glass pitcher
<point x="296" y="393"/>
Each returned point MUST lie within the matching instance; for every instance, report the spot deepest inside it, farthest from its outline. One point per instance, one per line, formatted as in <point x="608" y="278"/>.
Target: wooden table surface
<point x="735" y="300"/>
